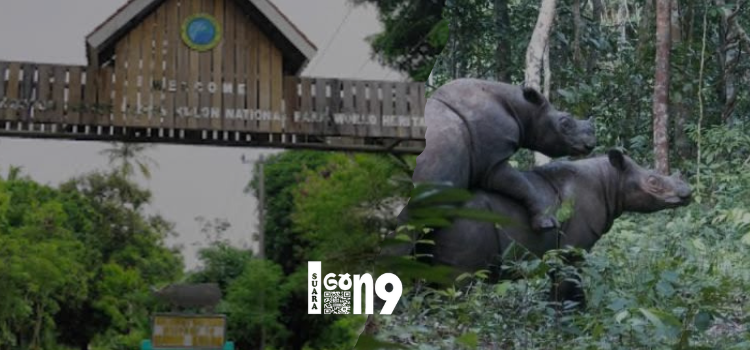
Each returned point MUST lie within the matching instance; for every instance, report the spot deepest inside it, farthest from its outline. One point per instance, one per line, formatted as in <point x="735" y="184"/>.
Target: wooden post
<point x="261" y="241"/>
<point x="261" y="236"/>
<point x="261" y="210"/>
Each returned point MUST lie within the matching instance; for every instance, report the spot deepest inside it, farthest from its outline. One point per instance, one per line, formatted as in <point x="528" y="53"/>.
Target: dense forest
<point x="79" y="262"/>
<point x="664" y="79"/>
<point x="667" y="81"/>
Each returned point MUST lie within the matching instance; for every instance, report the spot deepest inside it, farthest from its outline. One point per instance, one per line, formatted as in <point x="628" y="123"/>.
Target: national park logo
<point x="201" y="32"/>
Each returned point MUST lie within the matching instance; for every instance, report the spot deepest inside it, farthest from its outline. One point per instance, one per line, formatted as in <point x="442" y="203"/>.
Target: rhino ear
<point x="533" y="96"/>
<point x="617" y="158"/>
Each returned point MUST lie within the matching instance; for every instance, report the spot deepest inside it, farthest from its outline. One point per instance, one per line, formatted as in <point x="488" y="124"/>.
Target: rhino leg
<point x="572" y="291"/>
<point x="567" y="291"/>
<point x="445" y="157"/>
<point x="467" y="245"/>
<point x="510" y="182"/>
<point x="570" y="288"/>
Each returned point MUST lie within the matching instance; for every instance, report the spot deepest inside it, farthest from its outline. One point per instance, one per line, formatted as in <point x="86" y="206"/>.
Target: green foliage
<point x="342" y="334"/>
<point x="332" y="207"/>
<point x="724" y="160"/>
<point x="223" y="263"/>
<point x="253" y="305"/>
<point x="675" y="279"/>
<point x="669" y="280"/>
<point x="76" y="262"/>
<point x="357" y="191"/>
<point x="128" y="156"/>
<point x="283" y="173"/>
<point x="414" y="34"/>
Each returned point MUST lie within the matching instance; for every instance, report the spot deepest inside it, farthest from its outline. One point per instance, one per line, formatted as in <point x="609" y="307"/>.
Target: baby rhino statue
<point x="474" y="127"/>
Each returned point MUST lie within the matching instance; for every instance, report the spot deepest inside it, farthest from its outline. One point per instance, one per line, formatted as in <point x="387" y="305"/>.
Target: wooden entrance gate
<point x="219" y="72"/>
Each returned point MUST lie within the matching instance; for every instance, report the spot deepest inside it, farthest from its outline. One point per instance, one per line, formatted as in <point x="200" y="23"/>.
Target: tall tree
<point x="413" y="36"/>
<point x="503" y="49"/>
<point x="679" y="105"/>
<point x="731" y="36"/>
<point x="538" y="43"/>
<point x="126" y="156"/>
<point x="661" y="86"/>
<point x="129" y="254"/>
<point x="598" y="12"/>
<point x="536" y="51"/>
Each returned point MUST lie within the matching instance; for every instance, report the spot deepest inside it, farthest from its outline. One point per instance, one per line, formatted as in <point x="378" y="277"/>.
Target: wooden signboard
<point x="185" y="331"/>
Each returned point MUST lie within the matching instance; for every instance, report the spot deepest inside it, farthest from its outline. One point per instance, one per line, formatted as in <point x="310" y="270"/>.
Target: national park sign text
<point x="198" y="67"/>
<point x="322" y="107"/>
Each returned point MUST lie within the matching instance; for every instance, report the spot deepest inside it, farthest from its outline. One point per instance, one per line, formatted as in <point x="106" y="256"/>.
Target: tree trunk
<point x="679" y="107"/>
<point x="503" y="50"/>
<point x="622" y="18"/>
<point x="453" y="41"/>
<point x="577" y="25"/>
<point x="537" y="44"/>
<point x="730" y="35"/>
<point x="535" y="53"/>
<point x="661" y="87"/>
<point x="36" y="338"/>
<point x="459" y="45"/>
<point x="598" y="9"/>
<point x="644" y="28"/>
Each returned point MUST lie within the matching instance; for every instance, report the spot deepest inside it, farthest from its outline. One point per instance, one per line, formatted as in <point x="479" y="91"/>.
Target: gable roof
<point x="297" y="49"/>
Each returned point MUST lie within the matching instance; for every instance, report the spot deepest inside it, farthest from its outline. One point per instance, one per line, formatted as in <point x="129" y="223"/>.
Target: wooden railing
<point x="64" y="95"/>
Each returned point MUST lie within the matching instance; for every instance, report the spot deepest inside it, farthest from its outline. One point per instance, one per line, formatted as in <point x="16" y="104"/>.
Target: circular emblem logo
<point x="201" y="32"/>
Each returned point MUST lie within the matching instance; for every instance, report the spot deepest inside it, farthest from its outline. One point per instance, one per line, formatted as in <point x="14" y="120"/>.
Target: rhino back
<point x="474" y="244"/>
<point x="490" y="112"/>
<point x="519" y="231"/>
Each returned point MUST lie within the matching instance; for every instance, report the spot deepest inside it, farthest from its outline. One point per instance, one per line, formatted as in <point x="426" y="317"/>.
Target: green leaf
<point x="483" y="274"/>
<point x="426" y="241"/>
<point x="618" y="304"/>
<point x="515" y="252"/>
<point x="439" y="34"/>
<point x="566" y="210"/>
<point x="698" y="244"/>
<point x="665" y="288"/>
<point x="403" y="237"/>
<point x="746" y="239"/>
<point x="703" y="320"/>
<point x="409" y="269"/>
<point x="662" y="320"/>
<point x="463" y="276"/>
<point x="652" y="318"/>
<point x="622" y="315"/>
<point x="502" y="288"/>
<point x="469" y="340"/>
<point x="566" y="94"/>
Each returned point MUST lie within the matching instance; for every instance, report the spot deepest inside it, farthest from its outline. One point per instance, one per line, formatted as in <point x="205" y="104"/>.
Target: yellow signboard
<point x="189" y="331"/>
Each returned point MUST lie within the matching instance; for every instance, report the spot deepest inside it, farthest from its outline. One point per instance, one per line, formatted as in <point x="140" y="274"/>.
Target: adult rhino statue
<point x="601" y="190"/>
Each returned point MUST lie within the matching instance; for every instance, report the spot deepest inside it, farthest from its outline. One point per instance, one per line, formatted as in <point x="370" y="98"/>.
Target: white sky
<point x="189" y="181"/>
